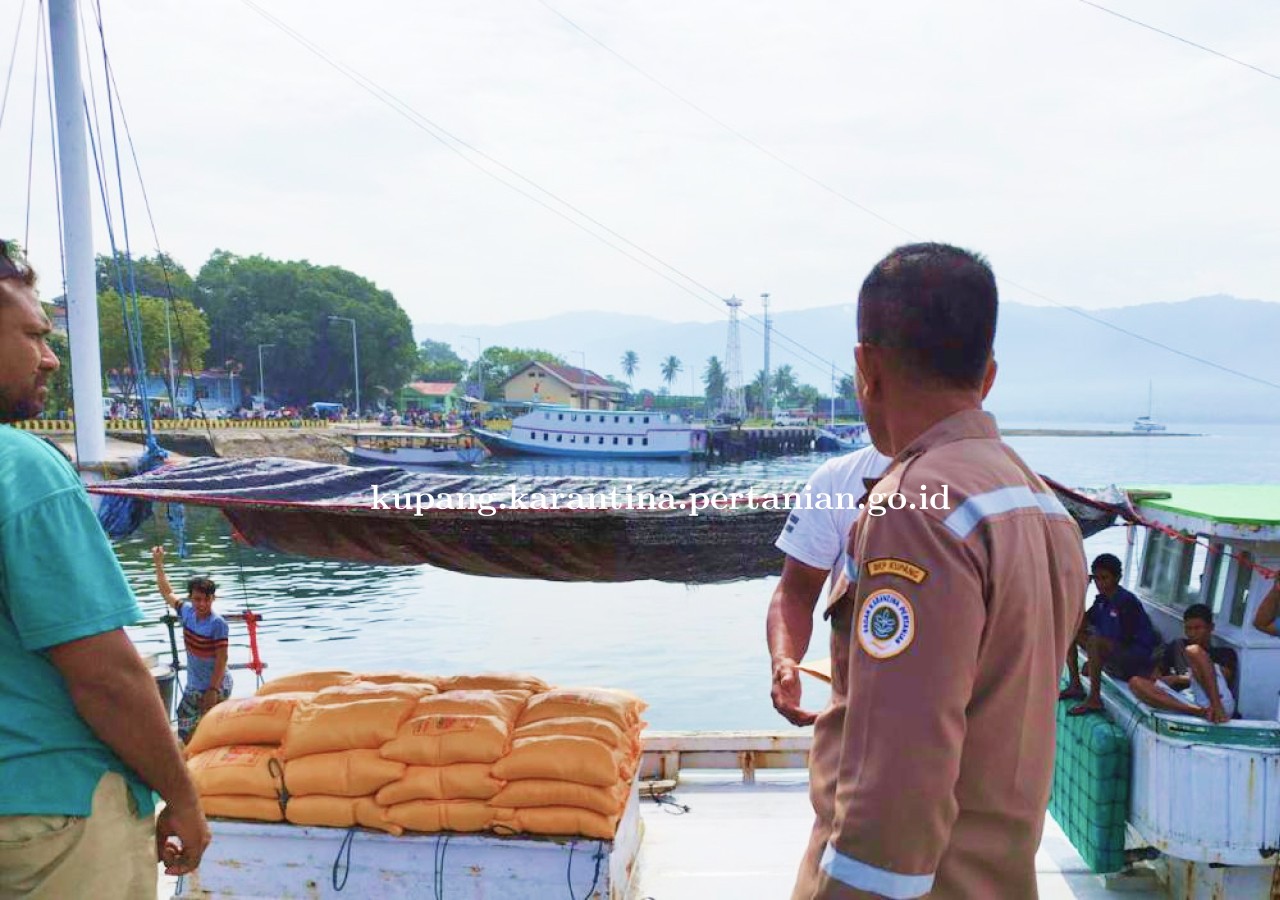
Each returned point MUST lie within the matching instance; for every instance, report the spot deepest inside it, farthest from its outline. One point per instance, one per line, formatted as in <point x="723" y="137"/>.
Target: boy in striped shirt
<point x="205" y="636"/>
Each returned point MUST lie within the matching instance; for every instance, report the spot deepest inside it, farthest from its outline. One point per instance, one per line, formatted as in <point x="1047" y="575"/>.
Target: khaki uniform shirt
<point x="931" y="768"/>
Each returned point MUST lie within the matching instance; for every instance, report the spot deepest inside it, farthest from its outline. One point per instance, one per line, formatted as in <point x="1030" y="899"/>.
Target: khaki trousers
<point x="110" y="855"/>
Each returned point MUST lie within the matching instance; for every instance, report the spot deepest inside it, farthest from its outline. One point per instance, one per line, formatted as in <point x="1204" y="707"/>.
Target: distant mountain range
<point x="1055" y="364"/>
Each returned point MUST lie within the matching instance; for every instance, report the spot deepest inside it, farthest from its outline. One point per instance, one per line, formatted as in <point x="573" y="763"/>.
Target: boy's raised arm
<point x="162" y="580"/>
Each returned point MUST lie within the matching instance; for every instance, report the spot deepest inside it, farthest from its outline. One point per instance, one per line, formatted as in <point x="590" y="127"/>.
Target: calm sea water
<point x="696" y="654"/>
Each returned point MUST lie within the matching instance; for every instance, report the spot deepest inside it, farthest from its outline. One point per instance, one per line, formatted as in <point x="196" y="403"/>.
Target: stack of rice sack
<point x="450" y="745"/>
<point x="569" y="768"/>
<point x="234" y="755"/>
<point x="398" y="752"/>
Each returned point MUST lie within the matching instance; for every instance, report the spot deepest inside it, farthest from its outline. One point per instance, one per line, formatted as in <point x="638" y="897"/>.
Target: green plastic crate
<point x="1090" y="799"/>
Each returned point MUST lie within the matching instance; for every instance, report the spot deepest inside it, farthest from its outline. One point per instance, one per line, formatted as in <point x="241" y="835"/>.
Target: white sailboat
<point x="1146" y="424"/>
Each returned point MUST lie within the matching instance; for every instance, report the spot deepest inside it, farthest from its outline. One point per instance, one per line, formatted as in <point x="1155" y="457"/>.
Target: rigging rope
<point x="13" y="57"/>
<point x="31" y="136"/>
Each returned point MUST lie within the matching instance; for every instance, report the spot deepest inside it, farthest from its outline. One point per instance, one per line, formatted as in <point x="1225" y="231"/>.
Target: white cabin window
<point x="615" y="442"/>
<point x="630" y="441"/>
<point x="544" y="436"/>
<point x="601" y="440"/>
<point x="644" y="441"/>
<point x="1177" y="573"/>
<point x="1238" y="599"/>
<point x="560" y="416"/>
<point x="646" y="420"/>
<point x="631" y="419"/>
<point x="617" y="419"/>
<point x="546" y="416"/>
<point x="559" y="438"/>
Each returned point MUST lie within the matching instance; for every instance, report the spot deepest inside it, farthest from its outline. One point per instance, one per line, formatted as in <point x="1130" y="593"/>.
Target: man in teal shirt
<point x="84" y="739"/>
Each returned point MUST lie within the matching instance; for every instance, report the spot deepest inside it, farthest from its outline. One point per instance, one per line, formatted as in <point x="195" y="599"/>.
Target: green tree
<point x="671" y="367"/>
<point x="153" y="276"/>
<point x="630" y="363"/>
<point x="784" y="385"/>
<point x="847" y="388"/>
<point x="255" y="300"/>
<point x="59" y="383"/>
<point x="187" y="328"/>
<point x="753" y="394"/>
<point x="437" y="361"/>
<point x="715" y="381"/>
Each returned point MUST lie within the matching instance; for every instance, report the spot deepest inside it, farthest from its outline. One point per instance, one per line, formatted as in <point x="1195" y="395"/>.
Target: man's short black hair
<point x="202" y="584"/>
<point x="934" y="307"/>
<point x="1198" y="611"/>
<point x="1107" y="562"/>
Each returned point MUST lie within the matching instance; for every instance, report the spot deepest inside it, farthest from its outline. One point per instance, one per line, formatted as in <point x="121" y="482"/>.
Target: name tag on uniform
<point x="889" y="565"/>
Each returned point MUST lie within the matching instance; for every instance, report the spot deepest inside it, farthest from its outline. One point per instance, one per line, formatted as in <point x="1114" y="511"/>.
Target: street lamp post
<point x="479" y="363"/>
<point x="262" y="378"/>
<point x="355" y="356"/>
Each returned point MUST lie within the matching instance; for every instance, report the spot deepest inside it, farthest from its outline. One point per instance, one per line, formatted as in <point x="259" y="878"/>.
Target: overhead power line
<point x="1189" y="43"/>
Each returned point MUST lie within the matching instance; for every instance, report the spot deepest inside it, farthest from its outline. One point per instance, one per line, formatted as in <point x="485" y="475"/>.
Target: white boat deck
<point x="714" y="836"/>
<point x="745" y="841"/>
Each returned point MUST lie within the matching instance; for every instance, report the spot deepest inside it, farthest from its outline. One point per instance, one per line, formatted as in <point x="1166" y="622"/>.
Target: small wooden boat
<point x="415" y="448"/>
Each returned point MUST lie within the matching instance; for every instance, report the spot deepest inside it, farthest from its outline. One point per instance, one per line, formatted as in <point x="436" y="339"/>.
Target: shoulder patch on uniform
<point x="889" y="565"/>
<point x="886" y="624"/>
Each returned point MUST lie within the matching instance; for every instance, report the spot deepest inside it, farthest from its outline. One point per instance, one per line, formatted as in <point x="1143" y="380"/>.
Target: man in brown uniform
<point x="931" y="768"/>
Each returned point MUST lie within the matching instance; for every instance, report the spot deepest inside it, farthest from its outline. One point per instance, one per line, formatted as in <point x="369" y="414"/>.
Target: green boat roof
<point x="1233" y="504"/>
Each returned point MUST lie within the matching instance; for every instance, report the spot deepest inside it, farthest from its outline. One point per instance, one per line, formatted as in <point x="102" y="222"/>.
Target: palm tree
<point x="784" y="385"/>
<point x="630" y="362"/>
<point x="715" y="379"/>
<point x="671" y="367"/>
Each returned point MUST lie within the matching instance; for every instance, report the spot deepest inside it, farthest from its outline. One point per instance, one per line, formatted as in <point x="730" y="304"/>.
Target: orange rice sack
<point x="331" y="812"/>
<point x="346" y="773"/>
<point x="368" y="690"/>
<point x="505" y="706"/>
<point x="601" y="730"/>
<point x="235" y="771"/>
<point x="566" y="820"/>
<point x="460" y="781"/>
<point x="398" y="678"/>
<point x="619" y="707"/>
<point x="493" y="681"/>
<point x="247" y="720"/>
<point x="563" y="758"/>
<point x="359" y="725"/>
<point x="370" y="815"/>
<point x="441" y="815"/>
<point x="436" y="740"/>
<point x="305" y="681"/>
<point x="228" y="806"/>
<point x="539" y="792"/>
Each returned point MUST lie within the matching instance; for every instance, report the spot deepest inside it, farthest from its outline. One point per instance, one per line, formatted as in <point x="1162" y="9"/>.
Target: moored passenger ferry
<point x="602" y="433"/>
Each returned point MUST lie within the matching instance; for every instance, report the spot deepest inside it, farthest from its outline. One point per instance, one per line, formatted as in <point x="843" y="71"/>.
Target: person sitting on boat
<point x="814" y="542"/>
<point x="1269" y="610"/>
<point x="206" y="636"/>
<point x="1117" y="635"/>
<point x="1189" y="675"/>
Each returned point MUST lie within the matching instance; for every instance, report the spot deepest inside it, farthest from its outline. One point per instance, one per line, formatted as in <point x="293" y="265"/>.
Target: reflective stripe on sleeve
<point x="965" y="517"/>
<point x="857" y="874"/>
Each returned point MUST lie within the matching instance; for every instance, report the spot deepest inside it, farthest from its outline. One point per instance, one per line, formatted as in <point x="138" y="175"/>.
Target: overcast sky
<point x="1094" y="162"/>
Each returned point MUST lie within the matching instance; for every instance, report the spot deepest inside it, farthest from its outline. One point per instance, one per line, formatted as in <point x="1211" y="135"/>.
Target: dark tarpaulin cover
<point x="638" y="529"/>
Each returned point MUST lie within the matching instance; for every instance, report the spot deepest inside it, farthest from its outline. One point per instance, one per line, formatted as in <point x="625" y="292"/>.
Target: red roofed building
<point x="538" y="382"/>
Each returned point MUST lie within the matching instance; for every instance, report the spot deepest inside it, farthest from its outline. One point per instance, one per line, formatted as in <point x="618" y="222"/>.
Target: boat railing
<point x="667" y="752"/>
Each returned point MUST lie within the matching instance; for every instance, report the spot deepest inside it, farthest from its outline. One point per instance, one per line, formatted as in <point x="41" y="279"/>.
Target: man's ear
<point x="868" y="376"/>
<point x="989" y="377"/>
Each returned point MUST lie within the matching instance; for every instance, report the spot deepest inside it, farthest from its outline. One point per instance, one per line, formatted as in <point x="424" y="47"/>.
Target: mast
<point x="77" y="236"/>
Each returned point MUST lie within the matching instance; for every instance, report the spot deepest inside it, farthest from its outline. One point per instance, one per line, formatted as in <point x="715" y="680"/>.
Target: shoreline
<point x="1091" y="432"/>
